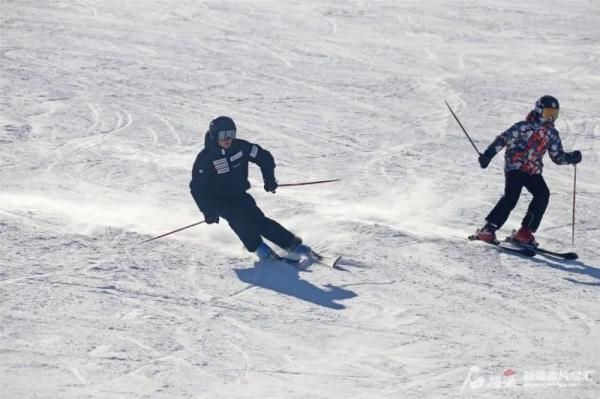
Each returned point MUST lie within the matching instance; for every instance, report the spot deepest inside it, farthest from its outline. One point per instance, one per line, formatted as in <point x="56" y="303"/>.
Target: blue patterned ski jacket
<point x="526" y="144"/>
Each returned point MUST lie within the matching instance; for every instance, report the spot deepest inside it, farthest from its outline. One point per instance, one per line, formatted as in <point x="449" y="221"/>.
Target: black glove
<point x="271" y="186"/>
<point x="484" y="161"/>
<point x="210" y="219"/>
<point x="575" y="157"/>
<point x="486" y="157"/>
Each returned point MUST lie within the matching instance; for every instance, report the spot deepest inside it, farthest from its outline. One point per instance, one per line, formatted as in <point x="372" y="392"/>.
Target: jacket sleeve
<point x="200" y="187"/>
<point x="500" y="141"/>
<point x="555" y="149"/>
<point x="264" y="160"/>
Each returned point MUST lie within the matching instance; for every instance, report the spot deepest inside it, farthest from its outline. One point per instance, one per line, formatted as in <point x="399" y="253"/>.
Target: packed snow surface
<point x="104" y="105"/>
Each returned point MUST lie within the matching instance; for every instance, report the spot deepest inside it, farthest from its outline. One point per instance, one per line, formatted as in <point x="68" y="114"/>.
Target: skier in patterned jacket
<point x="526" y="144"/>
<point x="219" y="184"/>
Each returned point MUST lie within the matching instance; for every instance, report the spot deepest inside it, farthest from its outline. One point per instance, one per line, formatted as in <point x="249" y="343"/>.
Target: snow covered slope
<point x="104" y="105"/>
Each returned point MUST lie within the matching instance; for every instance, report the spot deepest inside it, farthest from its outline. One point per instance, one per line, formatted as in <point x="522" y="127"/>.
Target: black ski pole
<point x="461" y="126"/>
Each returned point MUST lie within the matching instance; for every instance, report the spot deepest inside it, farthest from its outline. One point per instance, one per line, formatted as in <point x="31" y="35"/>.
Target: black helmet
<point x="222" y="128"/>
<point x="546" y="108"/>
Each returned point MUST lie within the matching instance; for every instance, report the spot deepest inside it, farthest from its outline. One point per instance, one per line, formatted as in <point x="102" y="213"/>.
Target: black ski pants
<point x="250" y="223"/>
<point x="515" y="181"/>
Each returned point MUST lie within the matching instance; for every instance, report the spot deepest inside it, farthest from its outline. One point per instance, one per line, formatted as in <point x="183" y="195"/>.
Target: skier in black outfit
<point x="526" y="144"/>
<point x="219" y="184"/>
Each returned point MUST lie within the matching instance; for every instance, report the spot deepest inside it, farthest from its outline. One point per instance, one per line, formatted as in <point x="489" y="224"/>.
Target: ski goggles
<point x="226" y="134"/>
<point x="550" y="113"/>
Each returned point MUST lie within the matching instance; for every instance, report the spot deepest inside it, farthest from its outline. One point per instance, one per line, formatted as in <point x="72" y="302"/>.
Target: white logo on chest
<point x="236" y="156"/>
<point x="221" y="165"/>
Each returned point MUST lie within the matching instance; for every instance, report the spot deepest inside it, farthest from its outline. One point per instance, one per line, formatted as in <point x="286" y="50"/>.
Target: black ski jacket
<point x="219" y="174"/>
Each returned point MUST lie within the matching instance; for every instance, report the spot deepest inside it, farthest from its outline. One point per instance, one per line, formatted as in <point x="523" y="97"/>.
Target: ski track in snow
<point x="105" y="107"/>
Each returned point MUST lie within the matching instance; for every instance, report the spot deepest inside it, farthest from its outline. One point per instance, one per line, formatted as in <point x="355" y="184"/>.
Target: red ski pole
<point x="309" y="182"/>
<point x="171" y="232"/>
<point x="195" y="224"/>
<point x="573" y="219"/>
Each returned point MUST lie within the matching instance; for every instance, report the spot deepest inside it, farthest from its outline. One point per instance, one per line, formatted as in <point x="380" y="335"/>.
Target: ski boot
<point x="297" y="250"/>
<point x="524" y="236"/>
<point x="264" y="252"/>
<point x="487" y="233"/>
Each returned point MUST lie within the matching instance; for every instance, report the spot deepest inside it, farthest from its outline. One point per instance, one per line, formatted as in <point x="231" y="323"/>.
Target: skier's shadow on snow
<point x="286" y="280"/>
<point x="571" y="266"/>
